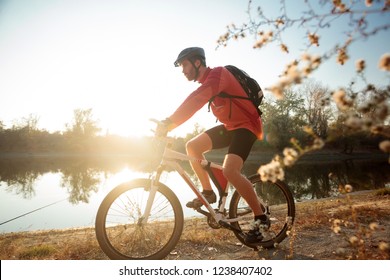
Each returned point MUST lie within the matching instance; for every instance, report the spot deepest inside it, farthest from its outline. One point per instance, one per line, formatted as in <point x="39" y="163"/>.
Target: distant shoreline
<point x="262" y="156"/>
<point x="319" y="156"/>
<point x="15" y="155"/>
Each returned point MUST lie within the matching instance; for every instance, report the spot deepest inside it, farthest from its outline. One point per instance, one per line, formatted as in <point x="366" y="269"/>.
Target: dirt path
<point x="363" y="219"/>
<point x="313" y="236"/>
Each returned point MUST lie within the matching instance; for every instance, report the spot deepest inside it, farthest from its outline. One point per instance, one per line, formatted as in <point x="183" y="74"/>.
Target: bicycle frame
<point x="171" y="158"/>
<point x="123" y="217"/>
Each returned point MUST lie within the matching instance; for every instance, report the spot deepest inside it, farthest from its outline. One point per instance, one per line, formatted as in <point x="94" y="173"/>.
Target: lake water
<point x="57" y="193"/>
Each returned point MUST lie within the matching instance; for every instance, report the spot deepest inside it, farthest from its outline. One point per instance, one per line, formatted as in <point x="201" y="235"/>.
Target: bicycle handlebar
<point x="164" y="137"/>
<point x="155" y="121"/>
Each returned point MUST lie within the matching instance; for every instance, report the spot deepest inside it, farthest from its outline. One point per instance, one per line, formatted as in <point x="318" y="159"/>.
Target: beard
<point x="191" y="75"/>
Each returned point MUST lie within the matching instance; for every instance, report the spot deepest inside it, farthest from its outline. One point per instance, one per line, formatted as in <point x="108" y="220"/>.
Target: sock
<point x="207" y="192"/>
<point x="261" y="217"/>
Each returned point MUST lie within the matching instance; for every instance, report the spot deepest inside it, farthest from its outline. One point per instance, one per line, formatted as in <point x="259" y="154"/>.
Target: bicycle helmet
<point x="189" y="53"/>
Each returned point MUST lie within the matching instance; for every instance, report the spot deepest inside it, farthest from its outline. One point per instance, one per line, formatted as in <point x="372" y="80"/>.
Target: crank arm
<point x="229" y="226"/>
<point x="199" y="210"/>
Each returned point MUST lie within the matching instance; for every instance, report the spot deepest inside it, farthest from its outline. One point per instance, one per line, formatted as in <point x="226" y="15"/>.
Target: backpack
<point x="250" y="86"/>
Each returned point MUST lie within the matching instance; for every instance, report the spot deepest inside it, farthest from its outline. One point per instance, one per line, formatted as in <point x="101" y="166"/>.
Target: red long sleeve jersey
<point x="234" y="113"/>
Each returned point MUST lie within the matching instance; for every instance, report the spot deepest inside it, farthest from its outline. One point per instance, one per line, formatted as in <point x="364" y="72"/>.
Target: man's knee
<point x="198" y="145"/>
<point x="191" y="146"/>
<point x="231" y="172"/>
<point x="227" y="172"/>
<point x="232" y="166"/>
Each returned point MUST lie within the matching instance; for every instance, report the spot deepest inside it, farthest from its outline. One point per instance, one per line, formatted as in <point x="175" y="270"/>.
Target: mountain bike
<point x="143" y="218"/>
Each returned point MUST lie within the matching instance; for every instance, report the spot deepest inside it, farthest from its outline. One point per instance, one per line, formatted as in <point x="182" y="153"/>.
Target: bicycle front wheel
<point x="277" y="201"/>
<point x="120" y="223"/>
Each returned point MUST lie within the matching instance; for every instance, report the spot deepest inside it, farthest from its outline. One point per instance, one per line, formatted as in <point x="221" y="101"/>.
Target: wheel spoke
<point x="279" y="205"/>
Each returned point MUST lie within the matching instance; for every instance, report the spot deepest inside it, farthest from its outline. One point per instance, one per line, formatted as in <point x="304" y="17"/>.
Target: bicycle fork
<point x="152" y="194"/>
<point x="144" y="218"/>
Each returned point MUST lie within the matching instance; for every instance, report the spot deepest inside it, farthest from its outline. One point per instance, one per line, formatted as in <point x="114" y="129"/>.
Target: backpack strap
<point x="226" y="95"/>
<point x="223" y="95"/>
<point x="230" y="96"/>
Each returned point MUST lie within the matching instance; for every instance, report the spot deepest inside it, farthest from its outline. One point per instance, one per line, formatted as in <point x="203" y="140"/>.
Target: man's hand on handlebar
<point x="163" y="128"/>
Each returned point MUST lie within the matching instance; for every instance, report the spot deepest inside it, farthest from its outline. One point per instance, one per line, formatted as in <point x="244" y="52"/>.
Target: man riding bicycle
<point x="241" y="126"/>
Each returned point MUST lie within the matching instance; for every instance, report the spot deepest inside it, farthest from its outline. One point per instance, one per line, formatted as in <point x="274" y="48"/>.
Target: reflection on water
<point x="76" y="186"/>
<point x="312" y="180"/>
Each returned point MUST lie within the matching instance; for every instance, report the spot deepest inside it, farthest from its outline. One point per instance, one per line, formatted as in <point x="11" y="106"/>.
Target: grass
<point x="383" y="191"/>
<point x="37" y="252"/>
<point x="56" y="244"/>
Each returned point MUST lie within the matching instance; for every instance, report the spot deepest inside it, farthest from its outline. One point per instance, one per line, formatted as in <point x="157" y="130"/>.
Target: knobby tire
<point x="119" y="228"/>
<point x="276" y="197"/>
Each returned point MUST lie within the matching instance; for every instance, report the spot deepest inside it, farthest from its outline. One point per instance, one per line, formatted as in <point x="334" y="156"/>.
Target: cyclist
<point x="241" y="126"/>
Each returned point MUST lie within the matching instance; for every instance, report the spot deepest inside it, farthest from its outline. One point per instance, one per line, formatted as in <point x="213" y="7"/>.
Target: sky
<point x="117" y="56"/>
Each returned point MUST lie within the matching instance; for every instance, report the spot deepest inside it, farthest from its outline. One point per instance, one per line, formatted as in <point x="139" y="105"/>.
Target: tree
<point x="29" y="123"/>
<point x="283" y="119"/>
<point x="361" y="116"/>
<point x="315" y="18"/>
<point x="318" y="111"/>
<point x="84" y="125"/>
<point x="82" y="131"/>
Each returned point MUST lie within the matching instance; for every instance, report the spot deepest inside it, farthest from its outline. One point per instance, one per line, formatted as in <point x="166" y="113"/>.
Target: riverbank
<point x="363" y="219"/>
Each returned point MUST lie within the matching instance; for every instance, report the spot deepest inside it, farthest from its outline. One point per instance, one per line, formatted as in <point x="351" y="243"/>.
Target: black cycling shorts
<point x="239" y="141"/>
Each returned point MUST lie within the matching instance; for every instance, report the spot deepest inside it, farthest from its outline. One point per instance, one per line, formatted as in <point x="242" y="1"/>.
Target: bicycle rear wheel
<point x="119" y="225"/>
<point x="279" y="204"/>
